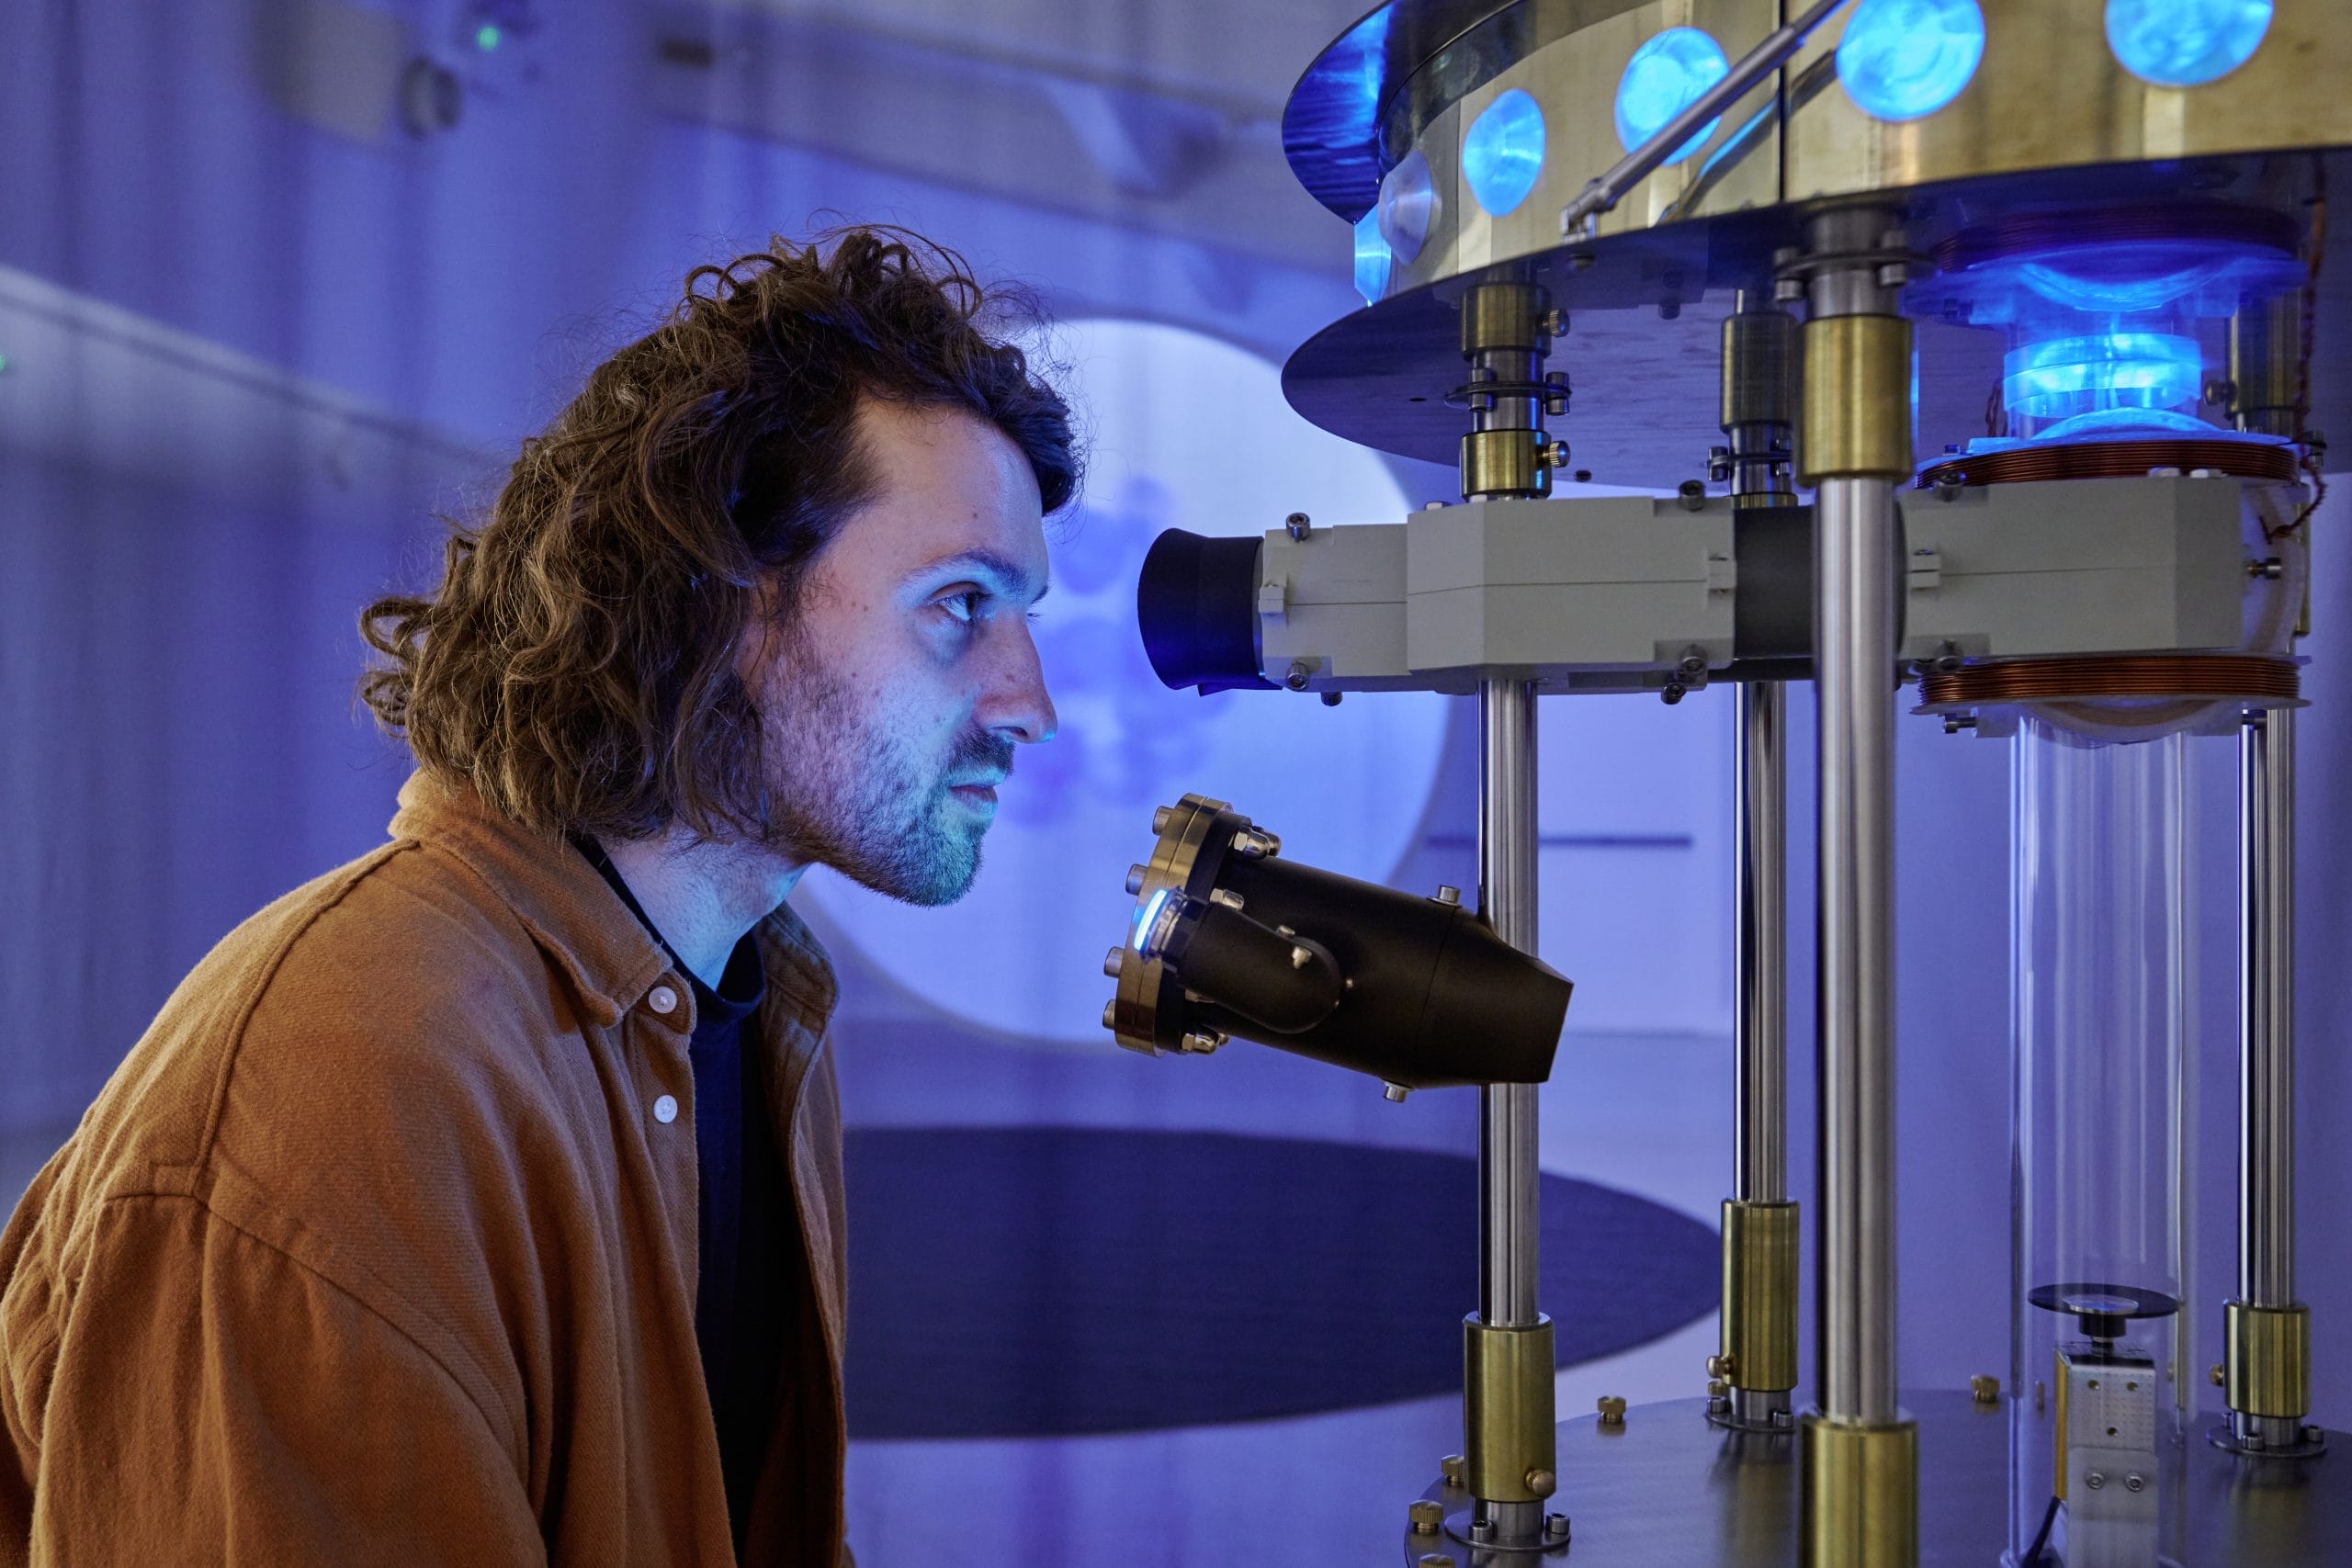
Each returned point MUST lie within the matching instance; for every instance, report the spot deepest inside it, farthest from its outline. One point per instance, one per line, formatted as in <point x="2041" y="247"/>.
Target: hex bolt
<point x="1541" y="1481"/>
<point x="1612" y="1410"/>
<point x="1426" y="1515"/>
<point x="1948" y="486"/>
<point x="1453" y="1467"/>
<point x="1201" y="1041"/>
<point x="1111" y="962"/>
<point x="1227" y="897"/>
<point x="2314" y="1434"/>
<point x="1985" y="1389"/>
<point x="1256" y="843"/>
<point x="2134" y="1482"/>
<point x="1298" y="524"/>
<point x="1394" y="1093"/>
<point x="1555" y="1526"/>
<point x="1135" y="878"/>
<point x="1692" y="494"/>
<point x="1446" y="894"/>
<point x="1298" y="674"/>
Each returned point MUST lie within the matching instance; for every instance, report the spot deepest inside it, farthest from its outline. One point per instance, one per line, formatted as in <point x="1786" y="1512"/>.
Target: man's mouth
<point x="978" y="793"/>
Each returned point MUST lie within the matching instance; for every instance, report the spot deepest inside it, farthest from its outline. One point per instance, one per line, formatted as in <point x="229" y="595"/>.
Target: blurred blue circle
<point x="1666" y="76"/>
<point x="1503" y="153"/>
<point x="1372" y="258"/>
<point x="1904" y="59"/>
<point x="2184" y="43"/>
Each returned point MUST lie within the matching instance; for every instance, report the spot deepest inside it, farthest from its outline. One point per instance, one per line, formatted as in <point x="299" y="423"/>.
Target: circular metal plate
<point x="1667" y="1490"/>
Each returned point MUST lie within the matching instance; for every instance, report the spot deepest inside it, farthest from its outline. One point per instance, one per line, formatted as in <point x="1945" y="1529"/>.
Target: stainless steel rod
<point x="1506" y="1145"/>
<point x="2267" y="1046"/>
<point x="1855" y="660"/>
<point x="1760" y="844"/>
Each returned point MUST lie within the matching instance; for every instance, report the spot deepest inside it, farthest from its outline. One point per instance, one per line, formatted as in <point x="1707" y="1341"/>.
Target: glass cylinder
<point x="2103" y="1010"/>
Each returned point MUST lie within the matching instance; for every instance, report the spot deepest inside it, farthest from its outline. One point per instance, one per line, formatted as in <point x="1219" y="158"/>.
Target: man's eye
<point x="965" y="606"/>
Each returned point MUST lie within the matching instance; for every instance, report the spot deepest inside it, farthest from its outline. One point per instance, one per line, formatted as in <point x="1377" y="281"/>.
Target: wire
<point x="2032" y="1557"/>
<point x="2313" y="460"/>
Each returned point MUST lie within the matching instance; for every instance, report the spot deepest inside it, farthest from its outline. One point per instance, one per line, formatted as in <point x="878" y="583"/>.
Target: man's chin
<point x="941" y="874"/>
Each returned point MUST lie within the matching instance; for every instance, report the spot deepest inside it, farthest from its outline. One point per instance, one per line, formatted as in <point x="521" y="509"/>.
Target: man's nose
<point x="1022" y="708"/>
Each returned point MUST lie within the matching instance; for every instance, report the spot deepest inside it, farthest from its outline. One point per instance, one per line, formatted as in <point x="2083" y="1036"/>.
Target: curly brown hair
<point x="576" y="665"/>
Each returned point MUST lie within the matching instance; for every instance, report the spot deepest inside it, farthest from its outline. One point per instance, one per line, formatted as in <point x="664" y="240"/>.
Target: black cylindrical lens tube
<point x="1285" y="984"/>
<point x="1197" y="605"/>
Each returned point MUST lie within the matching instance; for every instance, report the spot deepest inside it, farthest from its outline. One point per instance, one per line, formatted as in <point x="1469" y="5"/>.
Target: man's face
<point x="891" y="704"/>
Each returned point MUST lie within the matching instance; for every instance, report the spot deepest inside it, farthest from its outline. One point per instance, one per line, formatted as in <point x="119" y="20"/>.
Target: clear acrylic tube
<point x="2103" y="1009"/>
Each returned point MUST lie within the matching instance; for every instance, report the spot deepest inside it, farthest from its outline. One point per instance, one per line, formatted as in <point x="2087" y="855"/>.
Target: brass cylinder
<point x="1506" y="1411"/>
<point x="1759" y="1327"/>
<point x="1858" y="1502"/>
<point x="1504" y="462"/>
<point x="1857" y="398"/>
<point x="1502" y="316"/>
<point x="2267" y="1369"/>
<point x="2266" y="353"/>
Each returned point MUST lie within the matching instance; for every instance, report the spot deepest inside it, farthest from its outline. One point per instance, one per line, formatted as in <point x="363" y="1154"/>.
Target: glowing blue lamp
<point x="1906" y="58"/>
<point x="1372" y="258"/>
<point x="2066" y="377"/>
<point x="2184" y="43"/>
<point x="1666" y="76"/>
<point x="1504" y="152"/>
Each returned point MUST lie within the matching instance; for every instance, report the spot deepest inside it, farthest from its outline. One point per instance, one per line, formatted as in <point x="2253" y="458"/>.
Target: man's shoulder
<point x="333" y="1023"/>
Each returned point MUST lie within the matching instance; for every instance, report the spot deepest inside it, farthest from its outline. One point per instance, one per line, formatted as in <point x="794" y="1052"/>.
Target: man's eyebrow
<point x="1015" y="577"/>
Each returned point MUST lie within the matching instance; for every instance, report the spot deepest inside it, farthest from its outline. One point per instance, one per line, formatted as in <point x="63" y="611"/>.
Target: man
<point x="480" y="1200"/>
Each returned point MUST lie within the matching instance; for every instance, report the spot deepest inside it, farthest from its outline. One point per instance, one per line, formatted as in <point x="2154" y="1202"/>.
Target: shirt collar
<point x="565" y="903"/>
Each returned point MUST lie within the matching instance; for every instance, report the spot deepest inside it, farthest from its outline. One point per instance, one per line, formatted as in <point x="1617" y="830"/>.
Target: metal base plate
<point x="1668" y="1490"/>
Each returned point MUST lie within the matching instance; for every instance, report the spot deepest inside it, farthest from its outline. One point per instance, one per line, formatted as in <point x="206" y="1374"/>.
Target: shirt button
<point x="665" y="1110"/>
<point x="666" y="1002"/>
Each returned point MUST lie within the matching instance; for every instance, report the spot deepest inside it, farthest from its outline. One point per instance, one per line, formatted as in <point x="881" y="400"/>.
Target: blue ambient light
<point x="2185" y="43"/>
<point x="1904" y="59"/>
<point x="1372" y="258"/>
<point x="1666" y="76"/>
<point x="1504" y="152"/>
<point x="2060" y="379"/>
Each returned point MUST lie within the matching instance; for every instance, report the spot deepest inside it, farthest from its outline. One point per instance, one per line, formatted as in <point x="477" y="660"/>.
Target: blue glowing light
<point x="1504" y="152"/>
<point x="1904" y="59"/>
<point x="1666" y="76"/>
<point x="1372" y="258"/>
<point x="2061" y="378"/>
<point x="1147" y="916"/>
<point x="2184" y="43"/>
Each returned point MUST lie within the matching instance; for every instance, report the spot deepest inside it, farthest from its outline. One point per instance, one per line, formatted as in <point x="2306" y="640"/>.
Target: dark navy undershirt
<point x="741" y="1300"/>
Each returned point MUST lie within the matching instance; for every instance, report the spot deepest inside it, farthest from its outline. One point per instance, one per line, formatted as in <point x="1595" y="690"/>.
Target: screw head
<point x="1134" y="877"/>
<point x="2095" y="1479"/>
<point x="1111" y="1014"/>
<point x="1435" y="1560"/>
<point x="1448" y="894"/>
<point x="1394" y="1093"/>
<point x="1201" y="1041"/>
<point x="1719" y="1366"/>
<point x="1555" y="1526"/>
<point x="1985" y="1389"/>
<point x="1298" y="524"/>
<point x="1453" y="1467"/>
<point x="2134" y="1482"/>
<point x="1426" y="1514"/>
<point x="1159" y="819"/>
<point x="1299" y="673"/>
<point x="1541" y="1481"/>
<point x="1671" y="692"/>
<point x="1111" y="962"/>
<point x="1718" y="1389"/>
<point x="1612" y="1410"/>
<point x="2217" y="1375"/>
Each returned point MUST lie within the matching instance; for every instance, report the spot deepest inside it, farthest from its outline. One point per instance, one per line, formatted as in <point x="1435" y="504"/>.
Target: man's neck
<point x="703" y="897"/>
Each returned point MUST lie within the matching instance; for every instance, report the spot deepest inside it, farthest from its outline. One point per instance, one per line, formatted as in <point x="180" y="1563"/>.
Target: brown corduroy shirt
<point x="380" y="1247"/>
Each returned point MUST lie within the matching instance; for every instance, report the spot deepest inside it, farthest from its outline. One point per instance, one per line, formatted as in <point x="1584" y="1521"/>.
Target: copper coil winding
<point x="2116" y="460"/>
<point x="2129" y="675"/>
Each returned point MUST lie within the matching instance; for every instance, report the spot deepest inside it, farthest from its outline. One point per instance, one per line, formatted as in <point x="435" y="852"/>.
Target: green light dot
<point x="487" y="37"/>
